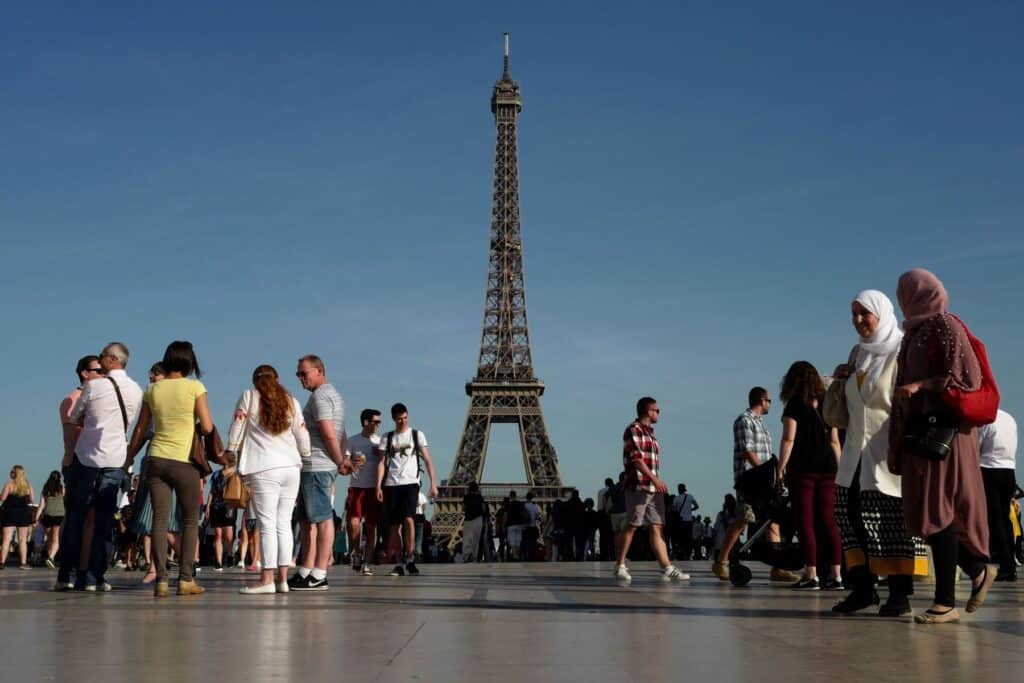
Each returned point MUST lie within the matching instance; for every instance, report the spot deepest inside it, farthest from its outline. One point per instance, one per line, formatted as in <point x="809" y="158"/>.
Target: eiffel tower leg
<point x="469" y="460"/>
<point x="538" y="453"/>
<point x="468" y="466"/>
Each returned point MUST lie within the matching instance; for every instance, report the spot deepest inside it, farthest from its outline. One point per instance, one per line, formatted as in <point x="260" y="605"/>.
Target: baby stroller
<point x="760" y="488"/>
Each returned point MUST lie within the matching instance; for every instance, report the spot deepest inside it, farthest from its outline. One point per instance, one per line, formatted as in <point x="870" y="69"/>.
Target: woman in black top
<point x="808" y="463"/>
<point x="16" y="497"/>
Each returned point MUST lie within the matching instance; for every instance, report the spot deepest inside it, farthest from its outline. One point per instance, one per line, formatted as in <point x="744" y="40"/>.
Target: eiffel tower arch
<point x="505" y="389"/>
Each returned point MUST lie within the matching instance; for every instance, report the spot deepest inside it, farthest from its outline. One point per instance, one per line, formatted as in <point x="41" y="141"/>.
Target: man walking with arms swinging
<point x="645" y="492"/>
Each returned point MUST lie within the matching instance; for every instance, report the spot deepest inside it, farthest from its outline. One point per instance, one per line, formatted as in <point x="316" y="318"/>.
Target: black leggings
<point x="948" y="553"/>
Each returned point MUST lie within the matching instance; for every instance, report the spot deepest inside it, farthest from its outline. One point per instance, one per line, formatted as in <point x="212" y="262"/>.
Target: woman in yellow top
<point x="173" y="406"/>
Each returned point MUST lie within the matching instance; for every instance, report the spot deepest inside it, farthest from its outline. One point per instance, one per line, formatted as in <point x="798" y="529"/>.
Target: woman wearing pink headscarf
<point x="943" y="500"/>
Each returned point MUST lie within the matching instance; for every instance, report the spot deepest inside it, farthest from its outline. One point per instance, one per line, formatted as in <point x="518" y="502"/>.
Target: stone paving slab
<point x="491" y="623"/>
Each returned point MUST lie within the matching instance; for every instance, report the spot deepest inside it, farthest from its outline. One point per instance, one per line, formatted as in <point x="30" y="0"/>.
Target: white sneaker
<point x="671" y="573"/>
<point x="622" y="574"/>
<point x="265" y="589"/>
<point x="282" y="587"/>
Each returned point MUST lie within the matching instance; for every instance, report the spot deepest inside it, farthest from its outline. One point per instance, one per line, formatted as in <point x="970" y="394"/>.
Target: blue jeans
<point x="88" y="487"/>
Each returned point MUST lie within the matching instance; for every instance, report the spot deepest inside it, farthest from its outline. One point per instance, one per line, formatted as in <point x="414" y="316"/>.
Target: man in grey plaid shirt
<point x="752" y="446"/>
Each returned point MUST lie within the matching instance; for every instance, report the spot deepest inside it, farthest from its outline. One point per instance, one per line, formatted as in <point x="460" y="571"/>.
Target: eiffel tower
<point x="505" y="390"/>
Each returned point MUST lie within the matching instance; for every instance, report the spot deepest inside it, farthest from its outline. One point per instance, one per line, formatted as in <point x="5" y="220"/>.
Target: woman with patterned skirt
<point x="869" y="509"/>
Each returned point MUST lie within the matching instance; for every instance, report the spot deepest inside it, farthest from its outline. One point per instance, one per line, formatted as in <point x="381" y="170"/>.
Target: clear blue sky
<point x="704" y="189"/>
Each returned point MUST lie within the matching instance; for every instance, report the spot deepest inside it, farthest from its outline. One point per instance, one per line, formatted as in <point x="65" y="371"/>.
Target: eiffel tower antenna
<point x="505" y="389"/>
<point x="505" y="74"/>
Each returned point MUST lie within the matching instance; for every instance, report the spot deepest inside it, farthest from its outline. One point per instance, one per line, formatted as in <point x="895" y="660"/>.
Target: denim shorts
<point x="315" y="496"/>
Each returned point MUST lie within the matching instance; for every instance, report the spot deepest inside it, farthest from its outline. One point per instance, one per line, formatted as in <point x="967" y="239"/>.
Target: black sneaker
<point x="410" y="568"/>
<point x="297" y="581"/>
<point x="807" y="585"/>
<point x="397" y="571"/>
<point x="833" y="585"/>
<point x="355" y="563"/>
<point x="311" y="584"/>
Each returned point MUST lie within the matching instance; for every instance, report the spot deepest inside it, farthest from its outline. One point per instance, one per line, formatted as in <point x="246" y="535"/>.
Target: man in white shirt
<point x="362" y="509"/>
<point x="398" y="482"/>
<point x="998" y="463"/>
<point x="105" y="410"/>
<point x="685" y="505"/>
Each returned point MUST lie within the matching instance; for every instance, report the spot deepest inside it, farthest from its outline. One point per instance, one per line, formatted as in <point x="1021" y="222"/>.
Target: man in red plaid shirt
<point x="645" y="492"/>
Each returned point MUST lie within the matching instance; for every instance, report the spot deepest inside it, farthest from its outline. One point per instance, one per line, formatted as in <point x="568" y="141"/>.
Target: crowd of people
<point x="275" y="484"/>
<point x="901" y="449"/>
<point x="925" y="459"/>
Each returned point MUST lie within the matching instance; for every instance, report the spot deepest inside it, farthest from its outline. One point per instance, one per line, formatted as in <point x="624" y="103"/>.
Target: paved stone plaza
<point x="490" y="623"/>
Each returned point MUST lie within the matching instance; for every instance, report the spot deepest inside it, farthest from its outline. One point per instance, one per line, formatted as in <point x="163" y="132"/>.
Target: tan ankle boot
<point x="721" y="570"/>
<point x="190" y="588"/>
<point x="161" y="589"/>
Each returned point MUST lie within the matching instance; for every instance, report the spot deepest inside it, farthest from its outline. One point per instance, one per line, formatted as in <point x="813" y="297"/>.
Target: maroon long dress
<point x="938" y="493"/>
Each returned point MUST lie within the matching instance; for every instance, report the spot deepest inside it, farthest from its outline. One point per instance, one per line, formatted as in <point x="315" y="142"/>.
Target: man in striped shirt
<point x="645" y="492"/>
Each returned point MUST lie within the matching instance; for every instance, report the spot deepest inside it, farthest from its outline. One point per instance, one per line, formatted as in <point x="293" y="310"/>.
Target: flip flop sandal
<point x="978" y="594"/>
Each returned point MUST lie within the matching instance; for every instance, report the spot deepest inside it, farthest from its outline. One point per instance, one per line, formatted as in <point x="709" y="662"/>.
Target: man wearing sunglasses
<point x="324" y="413"/>
<point x="362" y="509"/>
<point x="645" y="492"/>
<point x="88" y="368"/>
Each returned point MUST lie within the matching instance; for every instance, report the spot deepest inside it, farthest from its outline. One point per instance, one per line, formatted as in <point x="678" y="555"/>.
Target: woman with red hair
<point x="271" y="436"/>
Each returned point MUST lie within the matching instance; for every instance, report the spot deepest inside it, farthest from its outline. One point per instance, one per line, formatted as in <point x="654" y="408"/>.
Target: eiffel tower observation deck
<point x="505" y="389"/>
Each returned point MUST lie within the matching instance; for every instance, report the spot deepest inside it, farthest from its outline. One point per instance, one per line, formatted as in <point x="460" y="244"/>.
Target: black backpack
<point x="389" y="451"/>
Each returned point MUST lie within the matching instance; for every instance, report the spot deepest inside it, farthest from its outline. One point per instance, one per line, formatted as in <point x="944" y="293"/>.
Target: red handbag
<point x="976" y="407"/>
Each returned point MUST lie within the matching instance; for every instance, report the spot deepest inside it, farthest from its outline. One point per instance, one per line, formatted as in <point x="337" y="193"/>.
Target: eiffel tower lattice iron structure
<point x="505" y="389"/>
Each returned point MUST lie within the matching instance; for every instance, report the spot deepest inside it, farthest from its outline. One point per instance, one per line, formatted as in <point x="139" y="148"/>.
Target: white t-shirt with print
<point x="366" y="476"/>
<point x="403" y="467"/>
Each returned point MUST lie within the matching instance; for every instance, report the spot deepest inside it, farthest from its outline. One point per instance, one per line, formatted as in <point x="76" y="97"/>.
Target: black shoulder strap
<point x="120" y="402"/>
<point x="416" y="450"/>
<point x="388" y="450"/>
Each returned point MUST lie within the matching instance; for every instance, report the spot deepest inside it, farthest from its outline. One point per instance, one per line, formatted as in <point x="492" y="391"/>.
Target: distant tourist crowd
<point x="900" y="450"/>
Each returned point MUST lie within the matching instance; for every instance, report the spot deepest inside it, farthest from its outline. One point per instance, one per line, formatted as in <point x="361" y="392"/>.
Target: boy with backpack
<point x="398" y="483"/>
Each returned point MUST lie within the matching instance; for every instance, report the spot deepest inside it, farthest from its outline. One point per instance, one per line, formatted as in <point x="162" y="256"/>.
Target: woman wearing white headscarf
<point x="869" y="511"/>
